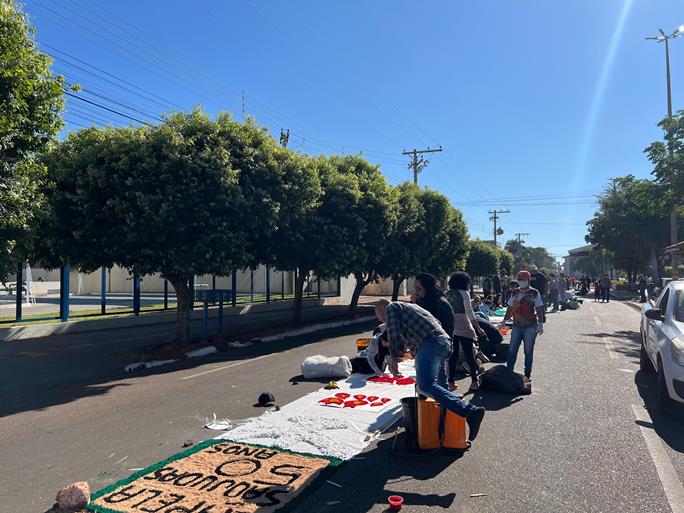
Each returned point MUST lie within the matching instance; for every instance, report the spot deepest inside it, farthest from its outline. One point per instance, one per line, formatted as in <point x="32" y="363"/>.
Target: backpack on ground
<point x="501" y="379"/>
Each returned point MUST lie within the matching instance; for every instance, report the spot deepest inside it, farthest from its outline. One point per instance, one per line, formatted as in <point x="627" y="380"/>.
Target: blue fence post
<point x="251" y="285"/>
<point x="206" y="318"/>
<point x="136" y="295"/>
<point x="268" y="285"/>
<point x="20" y="282"/>
<point x="64" y="293"/>
<point x="166" y="294"/>
<point x="282" y="285"/>
<point x="103" y="290"/>
<point x="191" y="286"/>
<point x="233" y="284"/>
<point x="220" y="314"/>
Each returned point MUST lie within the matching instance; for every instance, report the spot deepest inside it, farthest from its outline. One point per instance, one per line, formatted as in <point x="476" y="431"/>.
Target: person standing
<point x="539" y="281"/>
<point x="526" y="308"/>
<point x="597" y="291"/>
<point x="431" y="297"/>
<point x="496" y="284"/>
<point x="643" y="290"/>
<point x="410" y="327"/>
<point x="605" y="288"/>
<point x="554" y="291"/>
<point x="487" y="286"/>
<point x="466" y="328"/>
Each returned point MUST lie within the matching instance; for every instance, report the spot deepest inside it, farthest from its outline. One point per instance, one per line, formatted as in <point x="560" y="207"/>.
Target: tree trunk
<point x="180" y="285"/>
<point x="396" y="284"/>
<point x="361" y="282"/>
<point x="654" y="267"/>
<point x="299" y="292"/>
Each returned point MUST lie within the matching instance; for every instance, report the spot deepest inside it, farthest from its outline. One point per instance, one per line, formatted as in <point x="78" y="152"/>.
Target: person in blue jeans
<point x="412" y="328"/>
<point x="526" y="308"/>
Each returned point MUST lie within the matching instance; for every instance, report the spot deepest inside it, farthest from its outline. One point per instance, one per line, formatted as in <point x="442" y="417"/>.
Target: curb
<point x="132" y="367"/>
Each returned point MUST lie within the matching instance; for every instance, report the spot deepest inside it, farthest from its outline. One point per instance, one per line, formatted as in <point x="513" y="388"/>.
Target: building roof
<point x="581" y="250"/>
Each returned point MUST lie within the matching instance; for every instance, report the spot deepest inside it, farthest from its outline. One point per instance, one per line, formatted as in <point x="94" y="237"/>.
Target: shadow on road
<point x="668" y="425"/>
<point x="624" y="342"/>
<point x="372" y="477"/>
<point x="25" y="396"/>
<point x="494" y="401"/>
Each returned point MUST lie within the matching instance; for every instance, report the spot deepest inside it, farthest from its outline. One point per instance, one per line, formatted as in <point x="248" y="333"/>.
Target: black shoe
<point x="474" y="421"/>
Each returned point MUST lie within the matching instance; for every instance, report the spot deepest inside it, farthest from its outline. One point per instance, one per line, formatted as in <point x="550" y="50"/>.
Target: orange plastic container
<point x="429" y="414"/>
<point x="362" y="343"/>
<point x="454" y="431"/>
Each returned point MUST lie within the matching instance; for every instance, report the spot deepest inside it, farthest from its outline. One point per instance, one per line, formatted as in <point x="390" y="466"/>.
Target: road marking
<point x="235" y="364"/>
<point x="596" y="320"/>
<point x="611" y="348"/>
<point x="674" y="491"/>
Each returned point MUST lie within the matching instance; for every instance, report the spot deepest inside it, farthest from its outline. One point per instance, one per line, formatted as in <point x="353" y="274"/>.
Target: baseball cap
<point x="266" y="399"/>
<point x="524" y="275"/>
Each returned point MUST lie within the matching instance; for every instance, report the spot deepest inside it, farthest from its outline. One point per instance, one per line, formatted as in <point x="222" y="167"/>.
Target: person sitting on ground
<point x="493" y="337"/>
<point x="377" y="354"/>
<point x="466" y="328"/>
<point x="410" y="327"/>
<point x="485" y="307"/>
<point x="476" y="303"/>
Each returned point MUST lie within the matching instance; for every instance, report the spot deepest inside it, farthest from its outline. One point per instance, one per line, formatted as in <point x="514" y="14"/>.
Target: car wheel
<point x="645" y="362"/>
<point x="663" y="399"/>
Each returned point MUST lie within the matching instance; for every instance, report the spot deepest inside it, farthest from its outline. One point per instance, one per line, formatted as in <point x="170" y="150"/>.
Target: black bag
<point x="501" y="379"/>
<point x="360" y="365"/>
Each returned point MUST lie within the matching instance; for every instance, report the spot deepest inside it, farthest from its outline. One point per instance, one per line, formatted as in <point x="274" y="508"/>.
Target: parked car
<point x="662" y="343"/>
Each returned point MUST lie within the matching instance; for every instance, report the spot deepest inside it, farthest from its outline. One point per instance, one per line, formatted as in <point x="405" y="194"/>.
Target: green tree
<point x="454" y="254"/>
<point x="525" y="257"/>
<point x="189" y="197"/>
<point x="375" y="218"/>
<point x="668" y="158"/>
<point x="482" y="259"/>
<point x="30" y="105"/>
<point x="631" y="223"/>
<point x="506" y="260"/>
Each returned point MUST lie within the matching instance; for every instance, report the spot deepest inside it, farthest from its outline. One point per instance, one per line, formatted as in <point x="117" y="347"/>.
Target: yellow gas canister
<point x="454" y="431"/>
<point x="429" y="413"/>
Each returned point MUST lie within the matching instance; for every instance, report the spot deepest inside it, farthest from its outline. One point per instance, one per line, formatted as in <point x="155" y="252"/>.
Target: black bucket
<point x="409" y="411"/>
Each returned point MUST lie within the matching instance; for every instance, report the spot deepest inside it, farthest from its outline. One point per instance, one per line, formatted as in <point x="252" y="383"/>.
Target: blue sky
<point x="539" y="99"/>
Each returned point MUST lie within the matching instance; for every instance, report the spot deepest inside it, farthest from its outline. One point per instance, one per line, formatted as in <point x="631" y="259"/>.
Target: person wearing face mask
<point x="526" y="308"/>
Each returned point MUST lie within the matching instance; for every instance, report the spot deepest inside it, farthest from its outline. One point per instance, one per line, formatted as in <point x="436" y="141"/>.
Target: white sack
<point x="326" y="367"/>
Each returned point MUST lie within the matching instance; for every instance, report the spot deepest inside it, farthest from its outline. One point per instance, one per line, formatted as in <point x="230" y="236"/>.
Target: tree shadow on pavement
<point x="67" y="386"/>
<point x="624" y="342"/>
<point x="668" y="425"/>
<point x="369" y="479"/>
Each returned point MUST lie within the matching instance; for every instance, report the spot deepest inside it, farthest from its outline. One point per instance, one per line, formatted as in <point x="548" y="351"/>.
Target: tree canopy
<point x="30" y="105"/>
<point x="482" y="259"/>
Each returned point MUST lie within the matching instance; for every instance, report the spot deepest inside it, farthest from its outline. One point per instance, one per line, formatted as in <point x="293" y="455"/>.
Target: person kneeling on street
<point x="412" y="328"/>
<point x="526" y="308"/>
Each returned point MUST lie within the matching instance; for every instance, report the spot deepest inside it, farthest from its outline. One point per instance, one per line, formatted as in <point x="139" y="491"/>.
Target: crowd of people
<point x="437" y="325"/>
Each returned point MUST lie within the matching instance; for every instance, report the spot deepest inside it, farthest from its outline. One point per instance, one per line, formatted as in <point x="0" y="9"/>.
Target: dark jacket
<point x="442" y="311"/>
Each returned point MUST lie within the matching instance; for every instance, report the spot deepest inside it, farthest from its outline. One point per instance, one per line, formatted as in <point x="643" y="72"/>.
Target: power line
<point x="72" y="95"/>
<point x="419" y="163"/>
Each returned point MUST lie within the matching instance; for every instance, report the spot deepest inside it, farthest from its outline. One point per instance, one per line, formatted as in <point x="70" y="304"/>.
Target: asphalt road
<point x="583" y="440"/>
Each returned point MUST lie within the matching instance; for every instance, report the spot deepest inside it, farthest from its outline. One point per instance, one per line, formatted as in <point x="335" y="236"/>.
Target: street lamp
<point x="664" y="37"/>
<point x="673" y="216"/>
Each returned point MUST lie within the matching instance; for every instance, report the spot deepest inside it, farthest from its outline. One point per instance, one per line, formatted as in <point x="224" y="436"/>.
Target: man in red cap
<point x="526" y="308"/>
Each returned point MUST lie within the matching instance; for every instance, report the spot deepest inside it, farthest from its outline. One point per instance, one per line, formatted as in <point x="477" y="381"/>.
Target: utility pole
<point x="243" y="105"/>
<point x="494" y="216"/>
<point x="663" y="37"/>
<point x="284" y="137"/>
<point x="419" y="163"/>
<point x="520" y="236"/>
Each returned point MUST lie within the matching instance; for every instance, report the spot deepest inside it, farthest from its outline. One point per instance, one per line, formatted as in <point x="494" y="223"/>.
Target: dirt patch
<point x="217" y="476"/>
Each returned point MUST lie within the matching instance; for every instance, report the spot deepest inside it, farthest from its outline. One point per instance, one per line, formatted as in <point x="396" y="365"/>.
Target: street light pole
<point x="663" y="37"/>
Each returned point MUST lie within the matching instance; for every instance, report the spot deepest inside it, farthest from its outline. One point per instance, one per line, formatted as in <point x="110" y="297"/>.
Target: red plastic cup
<point x="395" y="502"/>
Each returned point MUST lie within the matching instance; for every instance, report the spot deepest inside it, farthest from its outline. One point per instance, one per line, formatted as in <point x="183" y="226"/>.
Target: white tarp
<point x="306" y="426"/>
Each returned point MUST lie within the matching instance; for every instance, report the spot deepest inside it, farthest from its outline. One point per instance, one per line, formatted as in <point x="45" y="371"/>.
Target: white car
<point x="662" y="343"/>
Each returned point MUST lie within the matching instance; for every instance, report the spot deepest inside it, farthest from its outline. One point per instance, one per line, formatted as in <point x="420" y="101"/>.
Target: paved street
<point x="583" y="440"/>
